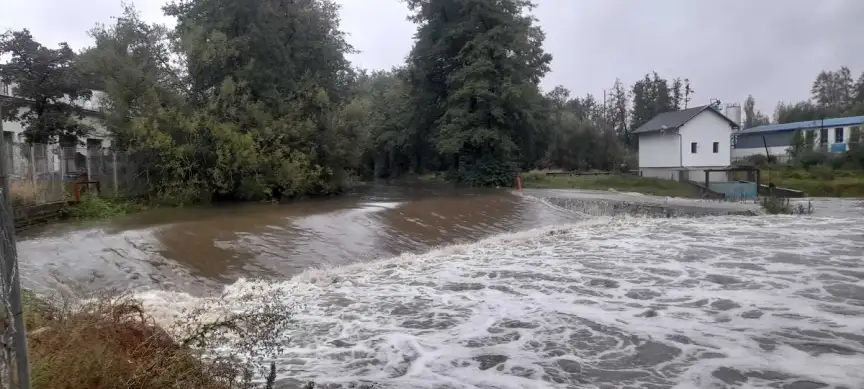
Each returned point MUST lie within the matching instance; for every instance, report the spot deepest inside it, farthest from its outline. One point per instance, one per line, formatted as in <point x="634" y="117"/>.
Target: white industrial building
<point x="681" y="145"/>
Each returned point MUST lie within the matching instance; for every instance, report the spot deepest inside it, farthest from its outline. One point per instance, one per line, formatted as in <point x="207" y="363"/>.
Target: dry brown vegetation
<point x="111" y="343"/>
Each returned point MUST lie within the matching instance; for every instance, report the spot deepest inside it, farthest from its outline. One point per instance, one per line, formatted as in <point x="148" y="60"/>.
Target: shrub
<point x="776" y="205"/>
<point x="96" y="207"/>
<point x="822" y="172"/>
<point x="813" y="158"/>
<point x="111" y="343"/>
<point x="759" y="160"/>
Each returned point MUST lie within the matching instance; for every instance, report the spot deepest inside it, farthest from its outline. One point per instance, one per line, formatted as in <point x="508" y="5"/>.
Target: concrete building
<point x="834" y="135"/>
<point x="60" y="155"/>
<point x="99" y="137"/>
<point x="681" y="145"/>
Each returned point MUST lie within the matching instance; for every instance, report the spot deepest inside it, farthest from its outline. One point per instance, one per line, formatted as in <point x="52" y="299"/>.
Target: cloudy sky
<point x="770" y="48"/>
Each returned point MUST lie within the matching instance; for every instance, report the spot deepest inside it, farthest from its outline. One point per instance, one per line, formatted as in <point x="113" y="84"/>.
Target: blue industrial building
<point x="834" y="134"/>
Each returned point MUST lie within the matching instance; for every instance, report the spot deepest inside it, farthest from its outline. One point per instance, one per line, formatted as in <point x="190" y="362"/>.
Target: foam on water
<point x="622" y="302"/>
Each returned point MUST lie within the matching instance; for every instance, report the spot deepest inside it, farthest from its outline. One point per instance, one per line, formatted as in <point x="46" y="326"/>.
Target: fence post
<point x="33" y="165"/>
<point x="87" y="163"/>
<point x="114" y="170"/>
<point x="11" y="280"/>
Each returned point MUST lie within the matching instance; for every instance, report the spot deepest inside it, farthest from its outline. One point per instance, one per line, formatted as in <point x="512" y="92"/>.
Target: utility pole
<point x="10" y="280"/>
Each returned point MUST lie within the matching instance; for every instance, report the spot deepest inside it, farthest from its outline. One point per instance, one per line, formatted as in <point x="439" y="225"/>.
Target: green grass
<point x="818" y="181"/>
<point x="93" y="207"/>
<point x="619" y="182"/>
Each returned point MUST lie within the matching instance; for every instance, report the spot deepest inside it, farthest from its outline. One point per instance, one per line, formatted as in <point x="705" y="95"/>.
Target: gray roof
<point x="673" y="120"/>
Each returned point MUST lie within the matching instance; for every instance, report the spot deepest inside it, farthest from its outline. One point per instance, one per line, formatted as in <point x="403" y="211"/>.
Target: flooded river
<point x="442" y="288"/>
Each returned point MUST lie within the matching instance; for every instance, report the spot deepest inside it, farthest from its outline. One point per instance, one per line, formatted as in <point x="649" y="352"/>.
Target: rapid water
<point x="608" y="302"/>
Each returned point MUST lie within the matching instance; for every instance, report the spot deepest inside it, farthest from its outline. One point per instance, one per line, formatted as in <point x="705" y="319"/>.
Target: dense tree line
<point x="256" y="99"/>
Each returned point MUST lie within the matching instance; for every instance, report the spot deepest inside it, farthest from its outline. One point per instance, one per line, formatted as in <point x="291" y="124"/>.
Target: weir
<point x="611" y="203"/>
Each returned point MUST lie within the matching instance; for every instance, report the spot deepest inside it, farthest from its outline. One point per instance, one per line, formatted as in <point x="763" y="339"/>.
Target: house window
<point x="838" y="135"/>
<point x="823" y="136"/>
<point x="693" y="147"/>
<point x="716" y="147"/>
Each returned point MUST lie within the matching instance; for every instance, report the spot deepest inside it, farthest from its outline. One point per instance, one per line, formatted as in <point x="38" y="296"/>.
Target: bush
<point x="813" y="158"/>
<point x="112" y="343"/>
<point x="822" y="172"/>
<point x="96" y="207"/>
<point x="759" y="160"/>
<point x="783" y="206"/>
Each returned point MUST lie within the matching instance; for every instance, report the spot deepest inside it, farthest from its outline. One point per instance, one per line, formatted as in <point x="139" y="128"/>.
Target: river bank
<point x="618" y="182"/>
<point x="818" y="181"/>
<point x="88" y="208"/>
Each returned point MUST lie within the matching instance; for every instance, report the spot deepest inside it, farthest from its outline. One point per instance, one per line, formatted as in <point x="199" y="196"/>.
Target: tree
<point x="131" y="62"/>
<point x="834" y="90"/>
<point x="618" y="113"/>
<point x="798" y="144"/>
<point x="651" y="97"/>
<point x="277" y="48"/>
<point x="677" y="93"/>
<point x="482" y="62"/>
<point x="797" y="112"/>
<point x="752" y="117"/>
<point x="48" y="85"/>
<point x="688" y="91"/>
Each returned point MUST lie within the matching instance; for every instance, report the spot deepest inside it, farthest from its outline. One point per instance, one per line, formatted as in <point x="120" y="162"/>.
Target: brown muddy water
<point x="413" y="287"/>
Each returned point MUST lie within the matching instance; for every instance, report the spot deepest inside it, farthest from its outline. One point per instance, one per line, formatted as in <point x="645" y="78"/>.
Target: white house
<point x="681" y="145"/>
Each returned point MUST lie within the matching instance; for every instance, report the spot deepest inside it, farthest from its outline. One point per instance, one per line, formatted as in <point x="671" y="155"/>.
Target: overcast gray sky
<point x="770" y="48"/>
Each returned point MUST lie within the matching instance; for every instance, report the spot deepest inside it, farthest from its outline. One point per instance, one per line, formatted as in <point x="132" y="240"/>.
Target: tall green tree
<point x="798" y="112"/>
<point x="752" y="117"/>
<point x="651" y="96"/>
<point x="48" y="86"/>
<point x="132" y="63"/>
<point x="481" y="61"/>
<point x="834" y="90"/>
<point x="280" y="49"/>
<point x="618" y="111"/>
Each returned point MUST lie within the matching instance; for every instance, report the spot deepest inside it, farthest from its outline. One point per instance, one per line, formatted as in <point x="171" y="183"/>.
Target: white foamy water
<point x="624" y="302"/>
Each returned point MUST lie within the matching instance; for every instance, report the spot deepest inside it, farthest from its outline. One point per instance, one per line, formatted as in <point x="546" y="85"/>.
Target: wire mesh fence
<point x="45" y="173"/>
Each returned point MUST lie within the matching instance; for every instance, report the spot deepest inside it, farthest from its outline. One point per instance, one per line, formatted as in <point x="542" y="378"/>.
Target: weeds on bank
<point x="95" y="207"/>
<point x="619" y="182"/>
<point x="111" y="342"/>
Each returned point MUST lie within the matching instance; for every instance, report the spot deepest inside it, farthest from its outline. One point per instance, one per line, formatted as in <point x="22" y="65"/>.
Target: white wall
<point x="659" y="150"/>
<point x="705" y="129"/>
<point x="99" y="130"/>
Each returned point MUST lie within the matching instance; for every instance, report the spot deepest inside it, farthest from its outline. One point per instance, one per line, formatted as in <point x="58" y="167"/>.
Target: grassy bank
<point x="619" y="182"/>
<point x="817" y="181"/>
<point x="111" y="343"/>
<point x="94" y="207"/>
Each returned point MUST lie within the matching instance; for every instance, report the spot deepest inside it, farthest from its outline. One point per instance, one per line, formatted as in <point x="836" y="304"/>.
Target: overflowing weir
<point x="610" y="203"/>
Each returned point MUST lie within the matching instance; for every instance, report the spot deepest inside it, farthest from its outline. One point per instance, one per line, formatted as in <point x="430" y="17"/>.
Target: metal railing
<point x="46" y="173"/>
